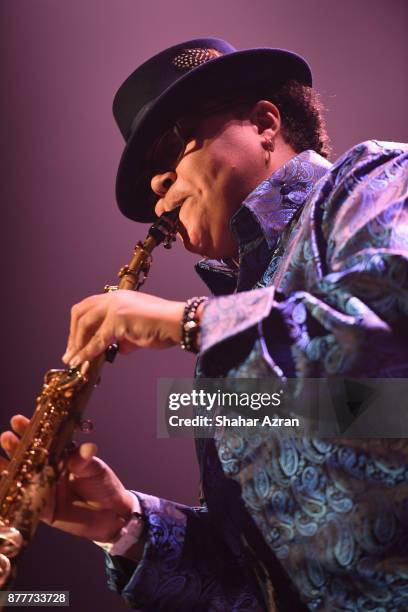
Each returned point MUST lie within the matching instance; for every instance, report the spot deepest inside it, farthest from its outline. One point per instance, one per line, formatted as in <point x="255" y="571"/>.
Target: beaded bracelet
<point x="189" y="324"/>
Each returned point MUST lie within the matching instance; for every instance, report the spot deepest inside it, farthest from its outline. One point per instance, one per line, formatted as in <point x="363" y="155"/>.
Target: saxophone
<point x="38" y="459"/>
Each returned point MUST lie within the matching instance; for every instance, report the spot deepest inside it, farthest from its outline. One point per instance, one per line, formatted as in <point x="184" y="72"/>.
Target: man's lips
<point x="179" y="203"/>
<point x="168" y="206"/>
<point x="180" y="228"/>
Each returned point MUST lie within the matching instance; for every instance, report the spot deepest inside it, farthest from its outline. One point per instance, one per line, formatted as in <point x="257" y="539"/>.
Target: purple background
<point x="61" y="63"/>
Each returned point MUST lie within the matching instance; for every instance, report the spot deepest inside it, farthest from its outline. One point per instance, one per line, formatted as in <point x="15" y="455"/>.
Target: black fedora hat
<point x="174" y="82"/>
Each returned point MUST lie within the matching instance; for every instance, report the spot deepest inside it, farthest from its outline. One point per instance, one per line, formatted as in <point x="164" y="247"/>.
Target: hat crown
<point x="158" y="73"/>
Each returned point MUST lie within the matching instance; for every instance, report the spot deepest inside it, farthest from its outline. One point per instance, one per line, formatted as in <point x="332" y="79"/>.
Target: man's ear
<point x="266" y="116"/>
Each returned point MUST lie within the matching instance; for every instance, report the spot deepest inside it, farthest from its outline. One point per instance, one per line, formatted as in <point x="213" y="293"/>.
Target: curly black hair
<point x="303" y="124"/>
<point x="301" y="110"/>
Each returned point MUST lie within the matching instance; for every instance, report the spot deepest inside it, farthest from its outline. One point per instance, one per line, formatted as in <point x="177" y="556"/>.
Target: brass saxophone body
<point x="38" y="459"/>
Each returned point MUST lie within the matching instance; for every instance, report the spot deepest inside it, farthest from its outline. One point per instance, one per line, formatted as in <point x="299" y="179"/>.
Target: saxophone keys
<point x="169" y="240"/>
<point x="86" y="426"/>
<point x="122" y="272"/>
<point x="110" y="355"/>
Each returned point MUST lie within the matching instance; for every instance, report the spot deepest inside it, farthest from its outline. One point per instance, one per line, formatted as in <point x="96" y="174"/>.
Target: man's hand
<point x="127" y="318"/>
<point x="89" y="500"/>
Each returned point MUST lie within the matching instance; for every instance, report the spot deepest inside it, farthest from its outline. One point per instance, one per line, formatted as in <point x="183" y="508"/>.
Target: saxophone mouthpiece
<point x="165" y="228"/>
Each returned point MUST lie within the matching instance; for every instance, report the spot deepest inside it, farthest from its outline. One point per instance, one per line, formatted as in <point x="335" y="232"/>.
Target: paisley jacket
<point x="321" y="290"/>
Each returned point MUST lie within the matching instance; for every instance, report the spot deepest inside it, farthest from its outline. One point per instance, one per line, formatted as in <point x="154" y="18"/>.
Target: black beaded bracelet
<point x="189" y="324"/>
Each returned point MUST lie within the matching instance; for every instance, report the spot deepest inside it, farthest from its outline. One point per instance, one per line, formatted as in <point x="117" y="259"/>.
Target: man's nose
<point x="161" y="183"/>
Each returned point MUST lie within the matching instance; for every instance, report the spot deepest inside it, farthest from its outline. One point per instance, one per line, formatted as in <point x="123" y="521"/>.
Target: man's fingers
<point x="8" y="442"/>
<point x="19" y="423"/>
<point x="88" y="325"/>
<point x="77" y="312"/>
<point x="87" y="450"/>
<point x="95" y="347"/>
<point x="8" y="439"/>
<point x="82" y="463"/>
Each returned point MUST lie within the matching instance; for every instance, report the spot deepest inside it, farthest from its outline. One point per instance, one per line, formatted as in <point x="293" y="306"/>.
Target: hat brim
<point x="236" y="71"/>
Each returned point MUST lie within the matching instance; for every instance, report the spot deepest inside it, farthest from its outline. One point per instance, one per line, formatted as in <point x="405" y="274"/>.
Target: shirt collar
<point x="261" y="218"/>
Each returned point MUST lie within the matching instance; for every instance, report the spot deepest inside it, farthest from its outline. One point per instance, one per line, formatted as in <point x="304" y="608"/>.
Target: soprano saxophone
<point x="38" y="459"/>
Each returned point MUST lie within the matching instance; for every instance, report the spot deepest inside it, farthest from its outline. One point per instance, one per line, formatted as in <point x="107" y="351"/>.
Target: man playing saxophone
<point x="299" y="254"/>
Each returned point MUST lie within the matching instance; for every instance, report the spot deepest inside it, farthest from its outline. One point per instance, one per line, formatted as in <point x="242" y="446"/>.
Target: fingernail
<point x="67" y="355"/>
<point x="85" y="367"/>
<point x="74" y="362"/>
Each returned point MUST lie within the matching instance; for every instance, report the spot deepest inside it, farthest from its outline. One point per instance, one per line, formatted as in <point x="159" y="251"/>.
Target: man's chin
<point x="197" y="250"/>
<point x="192" y="246"/>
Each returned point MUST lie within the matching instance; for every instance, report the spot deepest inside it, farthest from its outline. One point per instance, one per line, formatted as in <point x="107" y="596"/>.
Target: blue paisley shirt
<point x="321" y="290"/>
